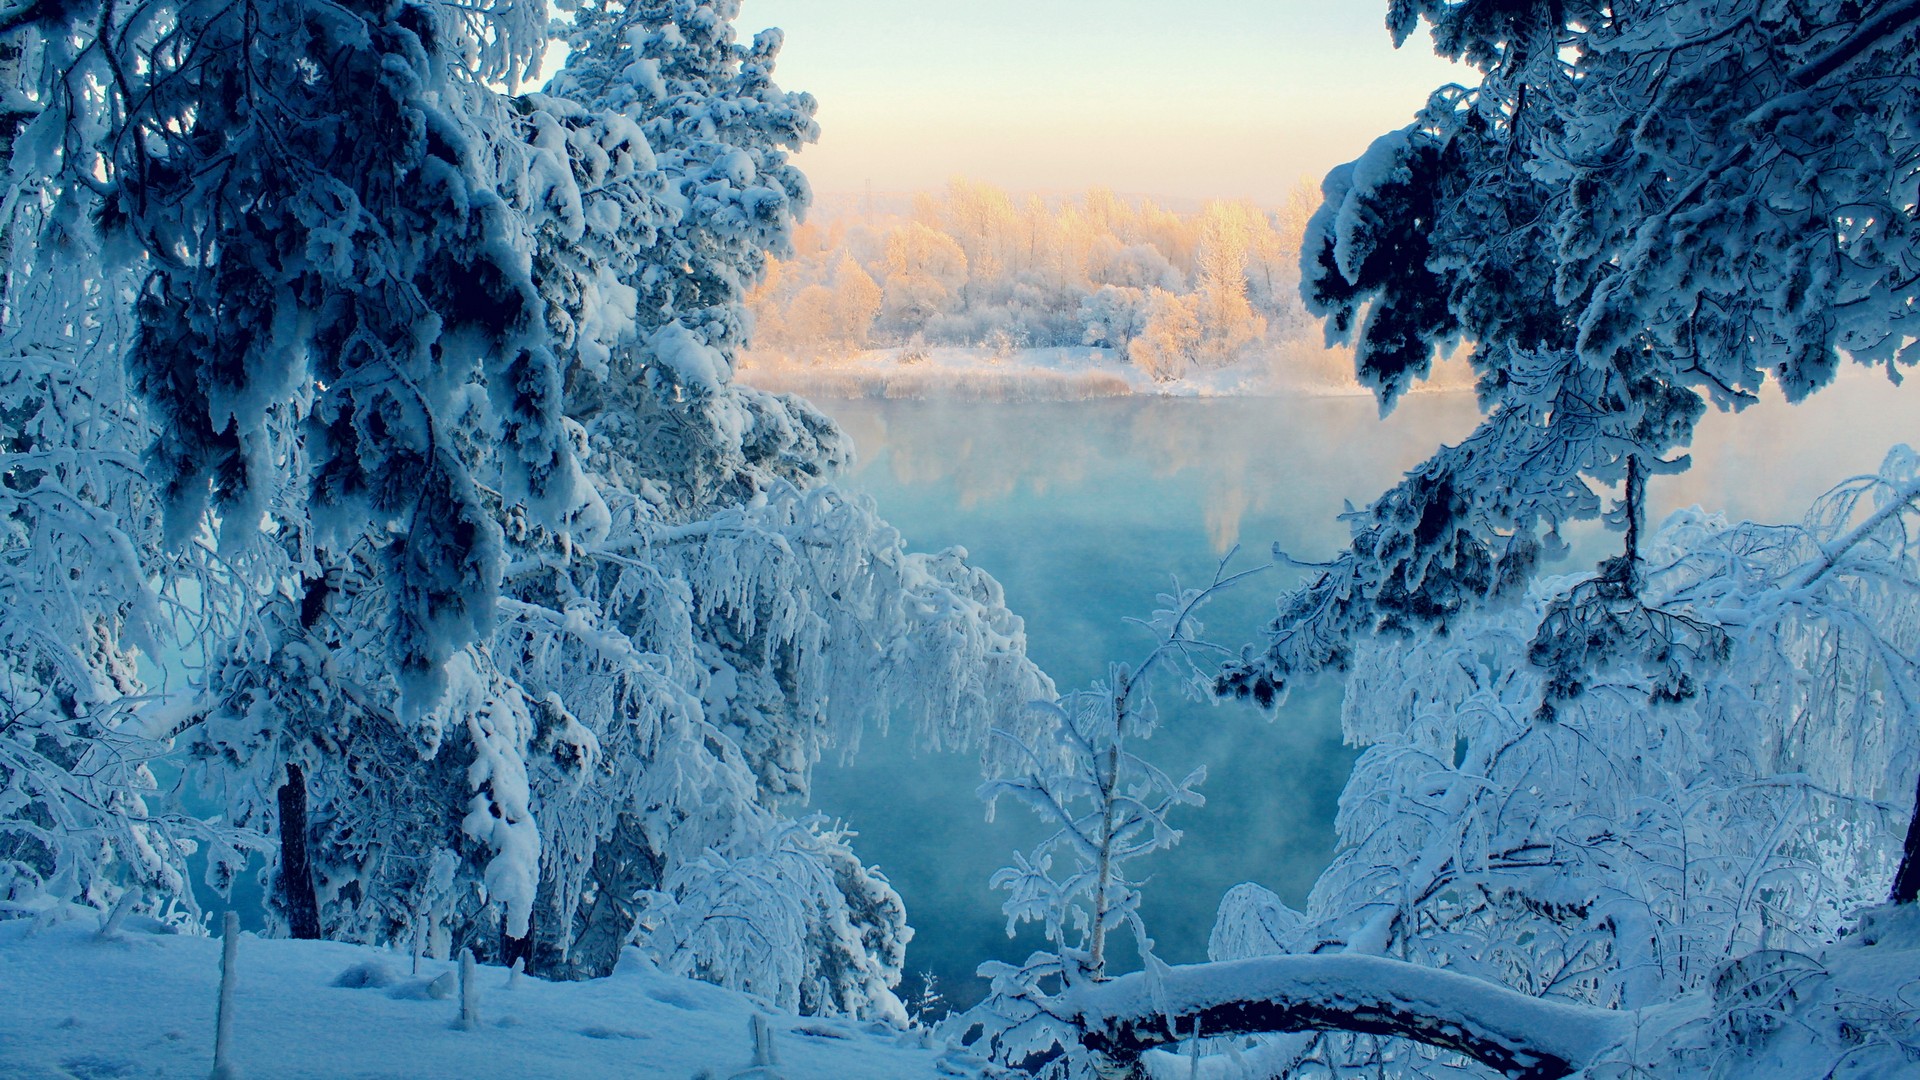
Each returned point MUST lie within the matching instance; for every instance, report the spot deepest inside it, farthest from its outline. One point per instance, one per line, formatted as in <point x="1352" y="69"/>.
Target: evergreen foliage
<point x="534" y="610"/>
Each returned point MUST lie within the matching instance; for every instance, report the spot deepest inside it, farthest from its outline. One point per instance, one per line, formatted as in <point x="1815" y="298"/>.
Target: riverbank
<point x="951" y="373"/>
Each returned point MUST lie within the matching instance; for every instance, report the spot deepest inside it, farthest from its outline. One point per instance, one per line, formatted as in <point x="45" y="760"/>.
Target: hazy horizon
<point x="1137" y="96"/>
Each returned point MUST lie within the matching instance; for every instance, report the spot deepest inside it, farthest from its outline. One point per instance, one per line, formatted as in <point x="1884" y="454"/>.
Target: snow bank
<point x="142" y="1004"/>
<point x="1846" y="1010"/>
<point x="1522" y="1035"/>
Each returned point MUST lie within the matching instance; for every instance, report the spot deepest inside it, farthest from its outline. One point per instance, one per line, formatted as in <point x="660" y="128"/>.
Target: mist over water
<point x="1083" y="510"/>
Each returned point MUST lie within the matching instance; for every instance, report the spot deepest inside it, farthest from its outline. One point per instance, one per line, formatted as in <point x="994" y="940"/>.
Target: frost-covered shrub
<point x="1623" y="849"/>
<point x="1069" y="761"/>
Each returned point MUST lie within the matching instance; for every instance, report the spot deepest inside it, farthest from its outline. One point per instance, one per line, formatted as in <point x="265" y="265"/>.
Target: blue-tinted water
<point x="1083" y="509"/>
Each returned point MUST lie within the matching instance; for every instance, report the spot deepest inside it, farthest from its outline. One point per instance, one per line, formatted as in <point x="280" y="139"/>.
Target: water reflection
<point x="1235" y="457"/>
<point x="1083" y="509"/>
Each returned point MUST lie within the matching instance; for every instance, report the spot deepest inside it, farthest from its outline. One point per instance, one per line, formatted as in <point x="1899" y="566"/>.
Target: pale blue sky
<point x="1229" y="98"/>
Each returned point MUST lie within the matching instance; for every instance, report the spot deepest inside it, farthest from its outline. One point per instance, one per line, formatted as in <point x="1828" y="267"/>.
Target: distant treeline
<point x="971" y="266"/>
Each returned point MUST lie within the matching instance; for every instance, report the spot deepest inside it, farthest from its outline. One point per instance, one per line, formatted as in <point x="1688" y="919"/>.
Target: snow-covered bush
<point x="1107" y="807"/>
<point x="1113" y="315"/>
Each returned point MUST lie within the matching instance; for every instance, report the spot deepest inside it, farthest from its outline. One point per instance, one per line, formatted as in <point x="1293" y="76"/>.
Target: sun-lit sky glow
<point x="1234" y="98"/>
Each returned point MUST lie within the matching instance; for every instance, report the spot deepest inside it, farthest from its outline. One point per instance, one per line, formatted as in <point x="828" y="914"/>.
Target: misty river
<point x="1083" y="511"/>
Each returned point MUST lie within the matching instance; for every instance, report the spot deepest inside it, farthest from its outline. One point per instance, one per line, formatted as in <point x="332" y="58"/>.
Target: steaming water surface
<point x="1083" y="510"/>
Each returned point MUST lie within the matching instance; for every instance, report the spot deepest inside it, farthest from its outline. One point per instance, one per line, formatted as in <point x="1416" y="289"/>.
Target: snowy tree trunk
<point x="469" y="993"/>
<point x="1521" y="1036"/>
<point x="223" y="1066"/>
<point x="296" y="873"/>
<point x="1636" y="504"/>
<point x="763" y="1053"/>
<point x="1097" y="956"/>
<point x="1906" y="883"/>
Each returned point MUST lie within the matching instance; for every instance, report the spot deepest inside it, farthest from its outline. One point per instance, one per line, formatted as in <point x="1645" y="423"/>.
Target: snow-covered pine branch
<point x="340" y="324"/>
<point x="1623" y="153"/>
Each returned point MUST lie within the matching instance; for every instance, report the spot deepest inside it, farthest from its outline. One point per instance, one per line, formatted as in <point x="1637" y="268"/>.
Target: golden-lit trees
<point x="854" y="304"/>
<point x="925" y="271"/>
<point x="981" y="220"/>
<point x="1170" y="340"/>
<point x="1228" y="323"/>
<point x="804" y="318"/>
<point x="971" y="266"/>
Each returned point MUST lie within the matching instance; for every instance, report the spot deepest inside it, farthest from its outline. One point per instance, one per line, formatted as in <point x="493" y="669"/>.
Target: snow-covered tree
<point x="1106" y="807"/>
<point x="1169" y="339"/>
<point x="855" y="303"/>
<point x="1228" y="323"/>
<point x="85" y="590"/>
<point x="604" y="764"/>
<point x="532" y="617"/>
<point x="925" y="271"/>
<point x="1670" y="776"/>
<point x="341" y="344"/>
<point x="1716" y="192"/>
<point x="341" y="308"/>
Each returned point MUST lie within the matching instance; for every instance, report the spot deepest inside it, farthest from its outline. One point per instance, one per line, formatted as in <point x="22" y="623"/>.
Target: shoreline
<point x="1040" y="375"/>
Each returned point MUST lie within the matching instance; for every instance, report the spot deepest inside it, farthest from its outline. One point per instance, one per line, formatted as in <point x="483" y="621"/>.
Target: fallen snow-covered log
<point x="1521" y="1036"/>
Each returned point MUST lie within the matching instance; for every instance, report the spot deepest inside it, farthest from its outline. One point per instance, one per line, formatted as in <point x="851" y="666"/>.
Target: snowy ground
<point x="143" y="1005"/>
<point x="978" y="374"/>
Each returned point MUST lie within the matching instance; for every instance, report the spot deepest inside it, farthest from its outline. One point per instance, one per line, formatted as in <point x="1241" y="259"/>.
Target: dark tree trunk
<point x="518" y="948"/>
<point x="623" y="864"/>
<point x="1520" y="1036"/>
<point x="1906" y="883"/>
<point x="1636" y="513"/>
<point x="296" y="872"/>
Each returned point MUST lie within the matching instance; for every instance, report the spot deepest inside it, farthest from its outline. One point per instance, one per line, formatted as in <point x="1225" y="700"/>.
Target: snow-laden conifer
<point x="602" y="764"/>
